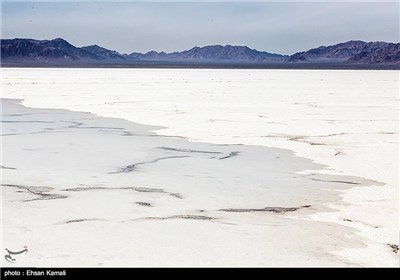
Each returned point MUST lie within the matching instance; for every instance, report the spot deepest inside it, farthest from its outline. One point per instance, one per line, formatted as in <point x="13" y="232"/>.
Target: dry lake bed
<point x="198" y="167"/>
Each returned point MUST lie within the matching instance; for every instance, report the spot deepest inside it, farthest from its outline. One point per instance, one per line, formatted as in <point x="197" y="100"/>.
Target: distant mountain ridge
<point x="212" y="53"/>
<point x="104" y="53"/>
<point x="44" y="50"/>
<point x="59" y="51"/>
<point x="351" y="52"/>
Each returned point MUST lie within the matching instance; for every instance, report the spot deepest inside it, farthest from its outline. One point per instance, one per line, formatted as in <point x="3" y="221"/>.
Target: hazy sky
<point x="281" y="27"/>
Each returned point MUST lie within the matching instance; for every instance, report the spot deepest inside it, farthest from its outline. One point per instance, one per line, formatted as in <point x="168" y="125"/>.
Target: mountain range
<point x="351" y="52"/>
<point x="59" y="52"/>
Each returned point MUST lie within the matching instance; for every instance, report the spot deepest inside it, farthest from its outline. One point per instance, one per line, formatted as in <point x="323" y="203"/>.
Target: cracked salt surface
<point x="348" y="122"/>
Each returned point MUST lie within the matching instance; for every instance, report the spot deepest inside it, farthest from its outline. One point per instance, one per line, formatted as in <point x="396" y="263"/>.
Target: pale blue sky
<point x="281" y="27"/>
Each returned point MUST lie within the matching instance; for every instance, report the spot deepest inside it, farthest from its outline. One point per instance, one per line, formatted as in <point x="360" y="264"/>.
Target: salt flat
<point x="346" y="120"/>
